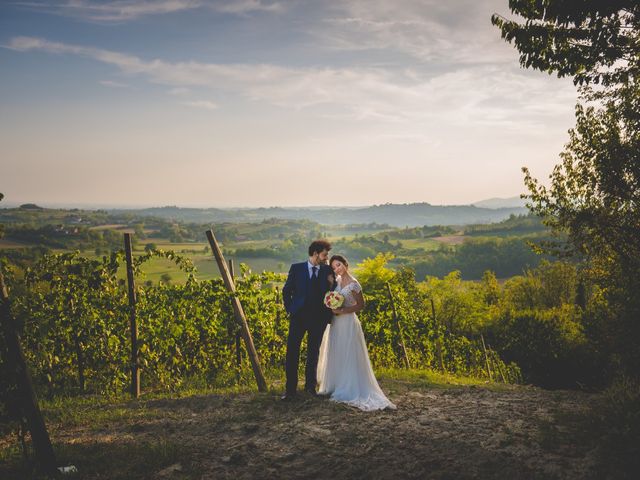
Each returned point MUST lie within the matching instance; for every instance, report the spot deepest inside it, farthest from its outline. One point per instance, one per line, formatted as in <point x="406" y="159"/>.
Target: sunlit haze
<point x="263" y="103"/>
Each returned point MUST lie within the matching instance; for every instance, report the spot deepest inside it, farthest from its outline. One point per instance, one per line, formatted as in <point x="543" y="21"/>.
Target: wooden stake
<point x="398" y="328"/>
<point x="238" y="346"/>
<point x="78" y="348"/>
<point x="239" y="312"/>
<point x="135" y="352"/>
<point x="439" y="338"/>
<point x="504" y="380"/>
<point x="278" y="301"/>
<point x="44" y="454"/>
<point x="486" y="357"/>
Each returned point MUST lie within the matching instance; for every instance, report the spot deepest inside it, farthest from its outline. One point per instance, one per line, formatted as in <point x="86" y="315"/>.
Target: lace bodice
<point x="348" y="292"/>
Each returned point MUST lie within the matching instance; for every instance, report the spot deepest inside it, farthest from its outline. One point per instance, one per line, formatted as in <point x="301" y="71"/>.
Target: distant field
<point x="164" y="244"/>
<point x="110" y="226"/>
<point x="207" y="268"/>
<point x="117" y="227"/>
<point x="337" y="234"/>
<point x="426" y="244"/>
<point x="120" y="228"/>
<point x="254" y="243"/>
<point x="204" y="262"/>
<point x="10" y="244"/>
<point x="450" y="239"/>
<point x="504" y="233"/>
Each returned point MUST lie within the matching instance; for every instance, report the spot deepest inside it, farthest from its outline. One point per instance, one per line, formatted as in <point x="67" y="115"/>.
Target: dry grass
<point x="444" y="427"/>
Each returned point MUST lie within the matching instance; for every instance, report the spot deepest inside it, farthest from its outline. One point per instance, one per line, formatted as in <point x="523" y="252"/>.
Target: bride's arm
<point x="353" y="309"/>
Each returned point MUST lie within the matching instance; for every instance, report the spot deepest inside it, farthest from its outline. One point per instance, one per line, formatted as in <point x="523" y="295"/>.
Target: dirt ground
<point x="511" y="432"/>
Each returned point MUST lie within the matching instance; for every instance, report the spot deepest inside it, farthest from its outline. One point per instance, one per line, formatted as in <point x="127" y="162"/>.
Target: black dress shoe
<point x="311" y="392"/>
<point x="288" y="397"/>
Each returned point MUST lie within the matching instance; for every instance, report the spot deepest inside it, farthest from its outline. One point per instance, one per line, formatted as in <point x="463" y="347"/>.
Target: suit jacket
<point x="297" y="286"/>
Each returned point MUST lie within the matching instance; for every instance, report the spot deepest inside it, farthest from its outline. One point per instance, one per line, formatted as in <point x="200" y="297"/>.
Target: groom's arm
<point x="288" y="289"/>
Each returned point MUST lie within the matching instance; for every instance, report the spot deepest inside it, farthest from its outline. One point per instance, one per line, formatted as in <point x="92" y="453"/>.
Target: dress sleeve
<point x="356" y="286"/>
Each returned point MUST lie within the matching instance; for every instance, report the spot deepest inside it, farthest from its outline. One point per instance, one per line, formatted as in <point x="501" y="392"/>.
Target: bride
<point x="344" y="369"/>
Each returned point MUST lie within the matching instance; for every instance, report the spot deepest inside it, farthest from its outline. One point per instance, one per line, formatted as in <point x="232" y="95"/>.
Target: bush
<point x="549" y="345"/>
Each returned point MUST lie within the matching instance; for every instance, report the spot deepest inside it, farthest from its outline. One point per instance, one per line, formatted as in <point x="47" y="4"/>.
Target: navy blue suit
<point x="304" y="301"/>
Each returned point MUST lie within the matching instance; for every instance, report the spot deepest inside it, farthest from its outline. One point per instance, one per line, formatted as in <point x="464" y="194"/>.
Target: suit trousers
<point x="301" y="323"/>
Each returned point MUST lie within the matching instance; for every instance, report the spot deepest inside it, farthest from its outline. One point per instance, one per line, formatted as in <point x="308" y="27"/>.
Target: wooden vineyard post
<point x="439" y="339"/>
<point x="504" y="380"/>
<point x="238" y="346"/>
<point x="278" y="300"/>
<point x="486" y="357"/>
<point x="78" y="348"/>
<point x="398" y="328"/>
<point x="135" y="354"/>
<point x="239" y="312"/>
<point x="44" y="454"/>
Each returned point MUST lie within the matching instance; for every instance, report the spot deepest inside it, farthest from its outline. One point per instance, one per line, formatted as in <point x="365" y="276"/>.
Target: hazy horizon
<point x="247" y="103"/>
<point x="8" y="203"/>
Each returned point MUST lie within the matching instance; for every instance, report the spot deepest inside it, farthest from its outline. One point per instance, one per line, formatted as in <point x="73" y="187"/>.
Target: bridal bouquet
<point x="333" y="300"/>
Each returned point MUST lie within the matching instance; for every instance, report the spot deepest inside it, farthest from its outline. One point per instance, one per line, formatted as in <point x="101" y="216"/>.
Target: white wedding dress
<point x="344" y="369"/>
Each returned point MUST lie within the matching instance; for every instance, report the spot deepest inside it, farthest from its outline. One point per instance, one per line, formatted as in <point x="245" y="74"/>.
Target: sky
<point x="269" y="103"/>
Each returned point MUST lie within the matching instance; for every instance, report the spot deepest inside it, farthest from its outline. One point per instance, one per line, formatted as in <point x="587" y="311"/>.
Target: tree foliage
<point x="594" y="195"/>
<point x="1" y="226"/>
<point x="593" y="199"/>
<point x="593" y="41"/>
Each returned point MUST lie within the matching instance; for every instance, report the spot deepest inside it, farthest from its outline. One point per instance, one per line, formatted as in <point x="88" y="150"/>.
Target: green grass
<point x="176" y="247"/>
<point x="253" y="243"/>
<point x="426" y="244"/>
<point x="334" y="234"/>
<point x="120" y="460"/>
<point x="123" y="438"/>
<point x="11" y="244"/>
<point x="100" y="409"/>
<point x="403" y="380"/>
<point x="103" y="410"/>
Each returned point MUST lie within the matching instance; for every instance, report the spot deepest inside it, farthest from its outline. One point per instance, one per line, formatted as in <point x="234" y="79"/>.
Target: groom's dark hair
<point x="318" y="246"/>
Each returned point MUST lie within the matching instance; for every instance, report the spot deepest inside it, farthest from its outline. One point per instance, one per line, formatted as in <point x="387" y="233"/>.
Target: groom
<point x="303" y="295"/>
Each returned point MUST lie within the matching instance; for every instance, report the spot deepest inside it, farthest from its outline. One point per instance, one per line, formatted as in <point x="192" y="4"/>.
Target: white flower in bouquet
<point x="333" y="300"/>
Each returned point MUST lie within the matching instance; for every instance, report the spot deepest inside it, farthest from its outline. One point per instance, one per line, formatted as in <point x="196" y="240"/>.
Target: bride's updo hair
<point x="340" y="258"/>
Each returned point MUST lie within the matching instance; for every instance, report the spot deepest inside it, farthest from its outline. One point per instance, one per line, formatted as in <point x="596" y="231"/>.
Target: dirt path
<point x="441" y="433"/>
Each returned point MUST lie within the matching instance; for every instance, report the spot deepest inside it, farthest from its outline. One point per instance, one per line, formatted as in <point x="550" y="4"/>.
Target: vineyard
<point x="73" y="315"/>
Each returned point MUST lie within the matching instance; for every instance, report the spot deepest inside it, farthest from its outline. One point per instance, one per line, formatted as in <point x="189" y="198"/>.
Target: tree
<point x="490" y="288"/>
<point x="593" y="41"/>
<point x="139" y="231"/>
<point x="373" y="273"/>
<point x="594" y="194"/>
<point x="1" y="226"/>
<point x="594" y="198"/>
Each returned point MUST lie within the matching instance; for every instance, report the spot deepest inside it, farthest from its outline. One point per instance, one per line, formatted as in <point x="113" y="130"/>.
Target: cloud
<point x="206" y="104"/>
<point x="178" y="91"/>
<point x="425" y="30"/>
<point x="113" y="84"/>
<point x="246" y="6"/>
<point x="112" y="11"/>
<point x="483" y="95"/>
<point x="115" y="11"/>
